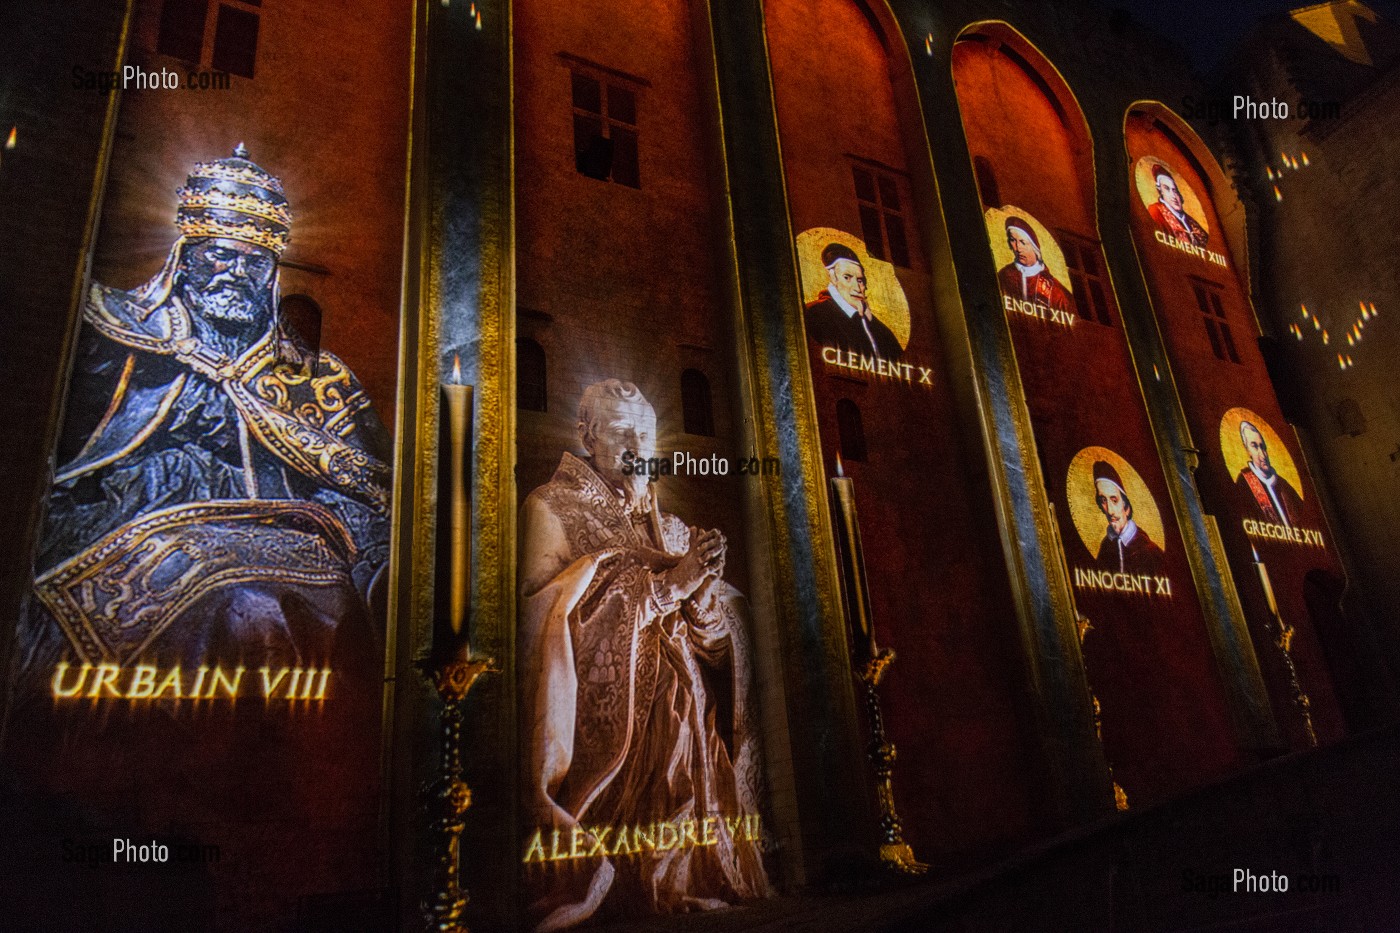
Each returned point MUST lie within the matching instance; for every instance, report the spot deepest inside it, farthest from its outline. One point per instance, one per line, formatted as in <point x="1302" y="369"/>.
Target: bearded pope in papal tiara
<point x="198" y="424"/>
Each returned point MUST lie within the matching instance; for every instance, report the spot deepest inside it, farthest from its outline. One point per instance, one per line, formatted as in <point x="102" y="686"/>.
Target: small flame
<point x="1155" y="373"/>
<point x="928" y="44"/>
<point x="1305" y="310"/>
<point x="472" y="11"/>
<point x="1341" y="363"/>
<point x="1326" y="338"/>
<point x="478" y="21"/>
<point x="1374" y="312"/>
<point x="1270" y="170"/>
<point x="839" y="471"/>
<point x="13" y="138"/>
<point x="1255" y="553"/>
<point x="1305" y="159"/>
<point x="1278" y="195"/>
<point x="1350" y="364"/>
<point x="456" y="369"/>
<point x="1351" y="341"/>
<point x="1317" y="325"/>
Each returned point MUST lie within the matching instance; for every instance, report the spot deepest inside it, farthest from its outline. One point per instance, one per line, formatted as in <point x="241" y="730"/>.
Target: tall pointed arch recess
<point x="1187" y="224"/>
<point x="1146" y="648"/>
<point x="861" y="201"/>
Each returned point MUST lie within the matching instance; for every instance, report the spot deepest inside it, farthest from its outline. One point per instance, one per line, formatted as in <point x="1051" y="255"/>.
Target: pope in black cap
<point x="1125" y="548"/>
<point x="841" y="317"/>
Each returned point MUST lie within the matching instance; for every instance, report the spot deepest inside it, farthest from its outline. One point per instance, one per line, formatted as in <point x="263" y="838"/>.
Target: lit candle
<point x="843" y="490"/>
<point x="458" y="412"/>
<point x="1263" y="572"/>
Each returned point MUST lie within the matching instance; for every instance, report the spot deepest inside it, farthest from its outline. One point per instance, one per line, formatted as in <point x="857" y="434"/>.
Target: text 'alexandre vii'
<point x="639" y="839"/>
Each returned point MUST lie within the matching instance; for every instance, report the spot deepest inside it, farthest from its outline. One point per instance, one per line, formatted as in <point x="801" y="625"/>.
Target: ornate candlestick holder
<point x="895" y="853"/>
<point x="1282" y="634"/>
<point x="1120" y="797"/>
<point x="447" y="796"/>
<point x="451" y="665"/>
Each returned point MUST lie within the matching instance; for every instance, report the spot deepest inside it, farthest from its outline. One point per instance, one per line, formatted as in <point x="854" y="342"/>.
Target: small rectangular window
<point x="588" y="94"/>
<point x="1222" y="342"/>
<point x="182" y="29"/>
<point x="865" y="185"/>
<point x="1087" y="280"/>
<point x="881" y="214"/>
<point x="235" y="46"/>
<point x="871" y="232"/>
<point x="605" y="130"/>
<point x="622" y="105"/>
<point x="235" y="41"/>
<point x="986" y="181"/>
<point x="625" y="170"/>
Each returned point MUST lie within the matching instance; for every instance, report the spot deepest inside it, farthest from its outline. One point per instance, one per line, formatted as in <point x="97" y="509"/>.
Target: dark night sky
<point x="1211" y="29"/>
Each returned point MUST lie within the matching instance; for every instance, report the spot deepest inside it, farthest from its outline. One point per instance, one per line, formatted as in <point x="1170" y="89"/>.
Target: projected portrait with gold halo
<point x="1114" y="513"/>
<point x="1172" y="203"/>
<point x="1265" y="476"/>
<point x="1032" y="272"/>
<point x="853" y="301"/>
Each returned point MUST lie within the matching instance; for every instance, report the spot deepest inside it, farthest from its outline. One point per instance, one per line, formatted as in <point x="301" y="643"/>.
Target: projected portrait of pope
<point x="1126" y="547"/>
<point x="221" y="490"/>
<point x="1026" y="278"/>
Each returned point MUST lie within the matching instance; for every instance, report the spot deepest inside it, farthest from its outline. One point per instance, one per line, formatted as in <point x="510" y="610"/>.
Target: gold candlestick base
<point x="895" y="853"/>
<point x="1120" y="797"/>
<point x="448" y="797"/>
<point x="1301" y="701"/>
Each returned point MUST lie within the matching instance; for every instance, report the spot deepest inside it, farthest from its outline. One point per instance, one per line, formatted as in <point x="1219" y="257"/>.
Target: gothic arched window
<point x="530" y="378"/>
<point x="696" y="407"/>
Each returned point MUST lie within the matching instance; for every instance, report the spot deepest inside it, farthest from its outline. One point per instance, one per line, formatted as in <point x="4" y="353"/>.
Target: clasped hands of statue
<point x="703" y="562"/>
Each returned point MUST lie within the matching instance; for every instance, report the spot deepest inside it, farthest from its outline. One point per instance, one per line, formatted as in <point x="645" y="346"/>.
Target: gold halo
<point x="882" y="288"/>
<point x="1147" y="188"/>
<point x="1083" y="499"/>
<point x="1050" y="253"/>
<point x="1232" y="447"/>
